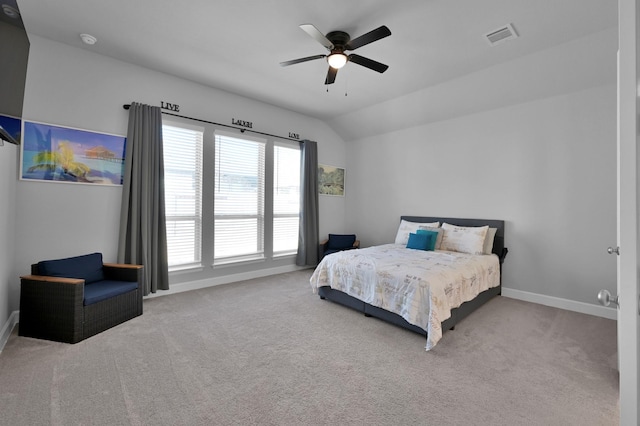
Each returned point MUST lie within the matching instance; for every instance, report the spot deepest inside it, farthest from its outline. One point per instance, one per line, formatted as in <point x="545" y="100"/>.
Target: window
<point x="182" y="146"/>
<point x="246" y="186"/>
<point x="286" y="198"/>
<point x="239" y="169"/>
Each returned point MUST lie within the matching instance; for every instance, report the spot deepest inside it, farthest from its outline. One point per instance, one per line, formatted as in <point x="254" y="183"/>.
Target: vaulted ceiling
<point x="237" y="46"/>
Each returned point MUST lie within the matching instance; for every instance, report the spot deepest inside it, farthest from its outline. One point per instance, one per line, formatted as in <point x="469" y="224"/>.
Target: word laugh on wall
<point x="242" y="123"/>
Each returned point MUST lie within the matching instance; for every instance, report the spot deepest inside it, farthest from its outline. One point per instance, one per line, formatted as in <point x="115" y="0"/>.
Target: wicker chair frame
<point x="52" y="308"/>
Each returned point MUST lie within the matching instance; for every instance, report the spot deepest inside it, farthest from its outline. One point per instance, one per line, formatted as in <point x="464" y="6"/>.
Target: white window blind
<point x="286" y="198"/>
<point x="239" y="198"/>
<point x="182" y="147"/>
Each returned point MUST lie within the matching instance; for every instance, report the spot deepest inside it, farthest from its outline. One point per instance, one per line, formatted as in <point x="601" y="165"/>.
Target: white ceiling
<point x="237" y="45"/>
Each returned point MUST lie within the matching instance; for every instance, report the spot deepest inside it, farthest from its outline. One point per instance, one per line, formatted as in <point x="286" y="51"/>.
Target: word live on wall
<point x="170" y="107"/>
<point x="236" y="122"/>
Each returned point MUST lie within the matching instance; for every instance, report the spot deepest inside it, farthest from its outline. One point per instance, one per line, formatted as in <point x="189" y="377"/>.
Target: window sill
<point x="223" y="263"/>
<point x="285" y="255"/>
<point x="185" y="269"/>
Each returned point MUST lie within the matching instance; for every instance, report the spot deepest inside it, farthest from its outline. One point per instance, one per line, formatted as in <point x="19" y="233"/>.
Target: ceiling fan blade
<point x="316" y="34"/>
<point x="370" y="37"/>
<point x="331" y="76"/>
<point x="369" y="63"/>
<point x="297" y="61"/>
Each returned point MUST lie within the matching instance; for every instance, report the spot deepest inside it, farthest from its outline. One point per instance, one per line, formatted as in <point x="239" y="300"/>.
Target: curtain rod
<point x="242" y="130"/>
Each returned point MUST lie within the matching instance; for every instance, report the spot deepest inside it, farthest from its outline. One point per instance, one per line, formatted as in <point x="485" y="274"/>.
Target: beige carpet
<point x="268" y="351"/>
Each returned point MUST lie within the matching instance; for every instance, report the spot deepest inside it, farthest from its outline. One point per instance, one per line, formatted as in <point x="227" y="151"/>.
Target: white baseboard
<point x="7" y="328"/>
<point x="556" y="302"/>
<point x="210" y="282"/>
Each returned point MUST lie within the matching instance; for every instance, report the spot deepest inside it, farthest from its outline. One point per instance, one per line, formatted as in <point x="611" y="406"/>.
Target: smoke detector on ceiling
<point x="88" y="39"/>
<point x="501" y="35"/>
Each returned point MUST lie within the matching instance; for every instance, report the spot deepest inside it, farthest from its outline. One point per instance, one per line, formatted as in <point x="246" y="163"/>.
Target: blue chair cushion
<point x="340" y="242"/>
<point x="419" y="241"/>
<point x="102" y="290"/>
<point x="87" y="267"/>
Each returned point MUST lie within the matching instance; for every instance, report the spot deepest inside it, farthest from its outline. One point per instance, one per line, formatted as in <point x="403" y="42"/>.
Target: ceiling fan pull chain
<point x="346" y="85"/>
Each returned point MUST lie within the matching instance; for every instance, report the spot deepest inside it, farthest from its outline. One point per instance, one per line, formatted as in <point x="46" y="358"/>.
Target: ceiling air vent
<point x="501" y="35"/>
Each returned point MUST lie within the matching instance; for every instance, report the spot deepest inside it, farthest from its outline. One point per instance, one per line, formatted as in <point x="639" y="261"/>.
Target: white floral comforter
<point x="421" y="286"/>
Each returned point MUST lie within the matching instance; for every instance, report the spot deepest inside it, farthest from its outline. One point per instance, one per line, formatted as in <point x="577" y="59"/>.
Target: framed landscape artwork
<point x="330" y="180"/>
<point x="62" y="154"/>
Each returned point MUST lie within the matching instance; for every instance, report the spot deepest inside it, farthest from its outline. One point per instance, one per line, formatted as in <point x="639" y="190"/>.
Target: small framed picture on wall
<point x="330" y="180"/>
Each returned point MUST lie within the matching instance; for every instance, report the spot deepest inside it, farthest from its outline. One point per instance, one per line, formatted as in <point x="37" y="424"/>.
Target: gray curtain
<point x="308" y="239"/>
<point x="143" y="236"/>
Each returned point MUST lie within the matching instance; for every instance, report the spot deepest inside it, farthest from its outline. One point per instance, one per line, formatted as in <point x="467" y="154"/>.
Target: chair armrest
<point x="51" y="308"/>
<point x="57" y="280"/>
<point x="123" y="272"/>
<point x="122" y="265"/>
<point x="39" y="292"/>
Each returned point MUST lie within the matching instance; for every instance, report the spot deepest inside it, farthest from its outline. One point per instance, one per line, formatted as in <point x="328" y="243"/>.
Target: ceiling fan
<point x="337" y="42"/>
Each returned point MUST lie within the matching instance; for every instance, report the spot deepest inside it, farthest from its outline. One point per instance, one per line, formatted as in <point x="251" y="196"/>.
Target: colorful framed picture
<point x="330" y="180"/>
<point x="62" y="154"/>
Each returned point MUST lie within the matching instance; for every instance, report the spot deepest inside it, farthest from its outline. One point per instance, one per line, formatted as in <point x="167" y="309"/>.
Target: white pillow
<point x="440" y="232"/>
<point x="464" y="239"/>
<point x="406" y="228"/>
<point x="488" y="240"/>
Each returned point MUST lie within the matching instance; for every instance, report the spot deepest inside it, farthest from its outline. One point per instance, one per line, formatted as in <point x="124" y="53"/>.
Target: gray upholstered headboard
<point x="498" y="243"/>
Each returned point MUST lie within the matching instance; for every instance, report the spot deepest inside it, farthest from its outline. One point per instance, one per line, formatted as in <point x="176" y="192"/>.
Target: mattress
<point x="420" y="286"/>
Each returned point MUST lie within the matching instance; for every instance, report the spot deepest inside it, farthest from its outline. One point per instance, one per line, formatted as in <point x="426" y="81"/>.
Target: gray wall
<point x="532" y="141"/>
<point x="547" y="167"/>
<point x="76" y="88"/>
<point x="543" y="160"/>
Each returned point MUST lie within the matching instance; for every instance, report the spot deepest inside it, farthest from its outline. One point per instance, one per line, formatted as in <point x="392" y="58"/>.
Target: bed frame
<point x="457" y="314"/>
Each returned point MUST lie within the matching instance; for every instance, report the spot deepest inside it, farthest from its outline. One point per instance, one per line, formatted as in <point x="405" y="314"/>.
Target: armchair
<point x="69" y="300"/>
<point x="338" y="242"/>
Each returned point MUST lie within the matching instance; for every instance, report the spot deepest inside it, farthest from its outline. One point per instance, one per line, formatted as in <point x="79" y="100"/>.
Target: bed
<point x="424" y="291"/>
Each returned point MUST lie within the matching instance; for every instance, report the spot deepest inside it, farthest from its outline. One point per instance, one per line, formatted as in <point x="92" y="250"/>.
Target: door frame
<point x="628" y="129"/>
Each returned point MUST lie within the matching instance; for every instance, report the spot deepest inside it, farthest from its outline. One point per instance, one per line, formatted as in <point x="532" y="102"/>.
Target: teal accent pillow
<point x="434" y="238"/>
<point x="419" y="241"/>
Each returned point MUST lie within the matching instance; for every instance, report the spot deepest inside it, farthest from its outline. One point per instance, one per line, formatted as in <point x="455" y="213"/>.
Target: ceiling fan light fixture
<point x="337" y="60"/>
<point x="337" y="42"/>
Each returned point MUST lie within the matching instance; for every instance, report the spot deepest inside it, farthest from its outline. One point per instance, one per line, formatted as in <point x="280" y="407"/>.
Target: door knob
<point x="605" y="299"/>
<point x="612" y="250"/>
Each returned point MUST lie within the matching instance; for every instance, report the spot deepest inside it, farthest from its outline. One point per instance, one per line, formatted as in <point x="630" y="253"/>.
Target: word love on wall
<point x="294" y="135"/>
<point x="170" y="107"/>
